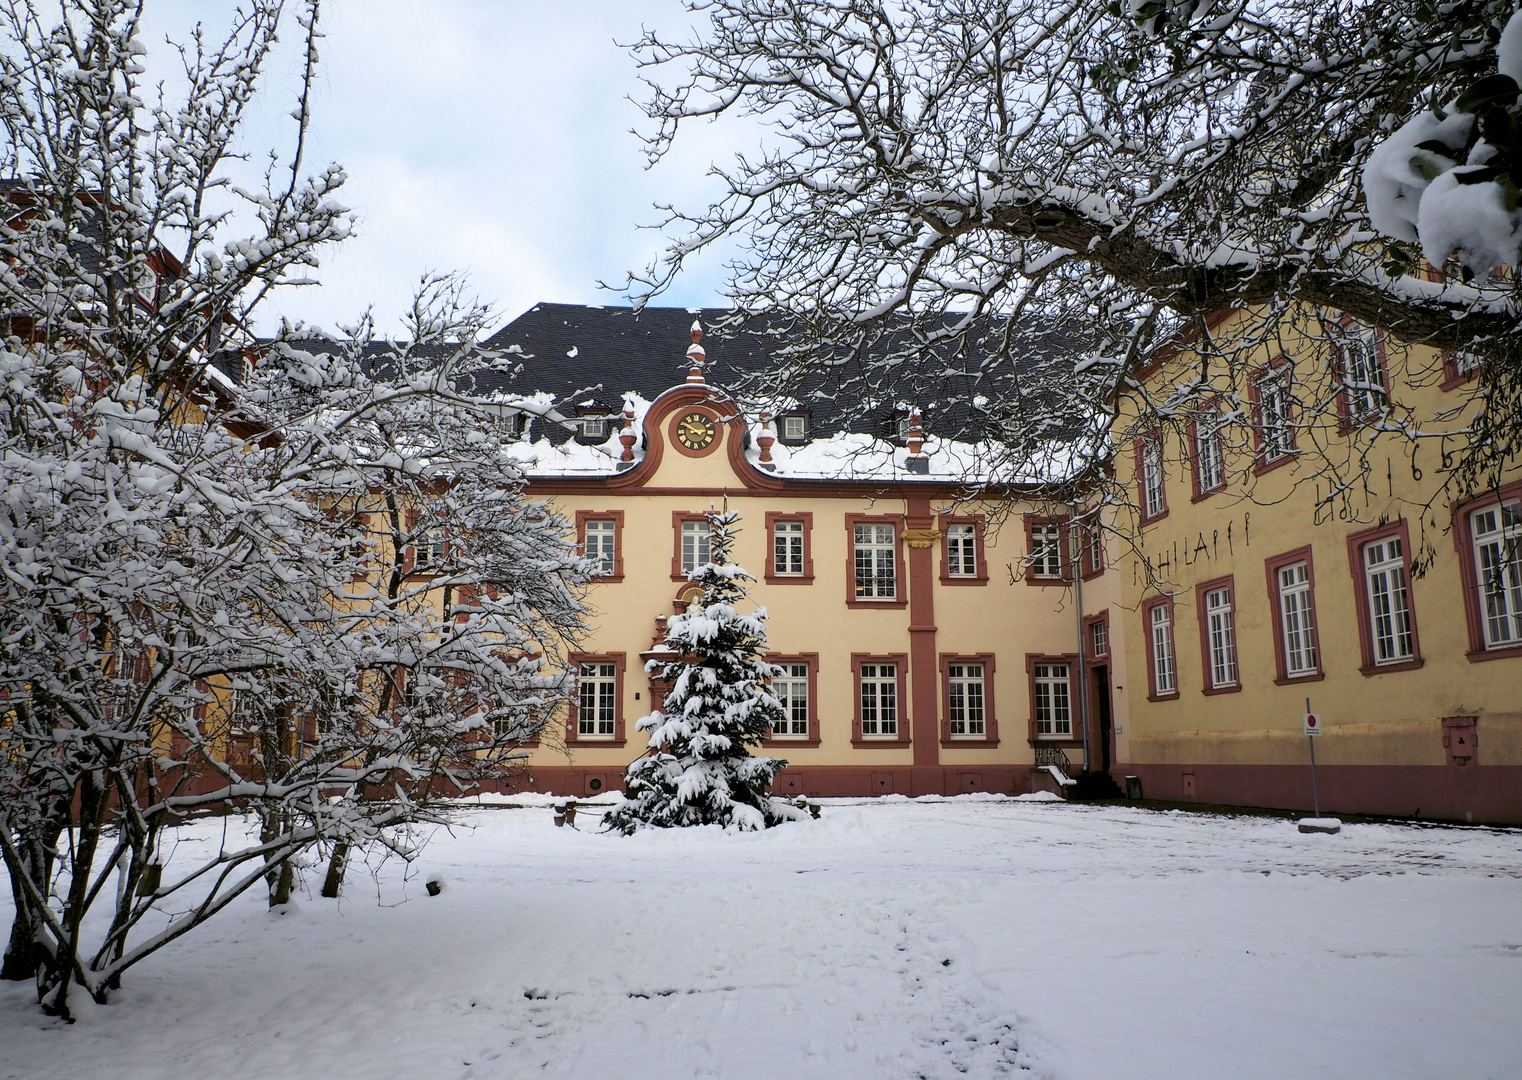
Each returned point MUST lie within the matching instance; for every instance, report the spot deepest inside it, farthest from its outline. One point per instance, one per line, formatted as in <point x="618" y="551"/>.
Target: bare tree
<point x="219" y="594"/>
<point x="958" y="186"/>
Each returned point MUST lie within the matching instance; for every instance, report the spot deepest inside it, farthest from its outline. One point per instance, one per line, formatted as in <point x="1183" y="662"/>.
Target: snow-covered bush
<point x="699" y="770"/>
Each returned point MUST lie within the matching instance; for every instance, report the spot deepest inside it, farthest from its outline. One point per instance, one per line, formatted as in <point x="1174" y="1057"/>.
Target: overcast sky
<point x="490" y="136"/>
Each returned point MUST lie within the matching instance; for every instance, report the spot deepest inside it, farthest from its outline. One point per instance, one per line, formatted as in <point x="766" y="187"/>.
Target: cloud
<point x="483" y="136"/>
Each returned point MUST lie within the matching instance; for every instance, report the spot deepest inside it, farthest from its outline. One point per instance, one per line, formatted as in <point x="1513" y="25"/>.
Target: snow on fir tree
<point x="699" y="770"/>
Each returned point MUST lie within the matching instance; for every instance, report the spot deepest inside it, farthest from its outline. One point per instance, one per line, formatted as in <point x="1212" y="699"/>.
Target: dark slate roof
<point x="582" y="354"/>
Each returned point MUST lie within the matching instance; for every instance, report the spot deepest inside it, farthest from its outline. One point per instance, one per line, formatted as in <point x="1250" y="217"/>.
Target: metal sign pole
<point x="1315" y="793"/>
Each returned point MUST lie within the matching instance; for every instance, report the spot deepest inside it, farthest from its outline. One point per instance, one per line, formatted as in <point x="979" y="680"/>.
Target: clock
<point x="696" y="431"/>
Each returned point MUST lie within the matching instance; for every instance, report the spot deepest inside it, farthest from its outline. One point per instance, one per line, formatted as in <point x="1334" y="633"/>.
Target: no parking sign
<point x="1312" y="724"/>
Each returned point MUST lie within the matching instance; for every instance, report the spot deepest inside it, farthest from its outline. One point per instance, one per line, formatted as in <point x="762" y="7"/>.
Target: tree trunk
<point x="21" y="954"/>
<point x="338" y="863"/>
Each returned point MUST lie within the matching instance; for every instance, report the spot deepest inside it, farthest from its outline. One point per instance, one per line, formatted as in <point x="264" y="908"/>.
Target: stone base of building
<point x="821" y="781"/>
<point x="1478" y="793"/>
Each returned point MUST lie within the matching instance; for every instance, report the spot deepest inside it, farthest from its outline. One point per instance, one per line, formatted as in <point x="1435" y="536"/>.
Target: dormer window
<point x="902" y="428"/>
<point x="794" y="429"/>
<point x="592" y="430"/>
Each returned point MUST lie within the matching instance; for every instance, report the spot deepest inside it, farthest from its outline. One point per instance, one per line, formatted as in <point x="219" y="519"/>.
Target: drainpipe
<point x="1083" y="673"/>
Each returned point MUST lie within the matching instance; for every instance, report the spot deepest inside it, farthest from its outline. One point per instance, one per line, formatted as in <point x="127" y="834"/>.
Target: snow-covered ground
<point x="894" y="938"/>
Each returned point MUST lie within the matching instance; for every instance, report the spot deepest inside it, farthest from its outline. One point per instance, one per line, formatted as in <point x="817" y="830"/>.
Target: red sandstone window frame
<point x="1356" y="543"/>
<point x="1075" y="703"/>
<point x="812" y="738"/>
<point x="1151" y="651"/>
<point x="1089" y="622"/>
<point x="900" y="598"/>
<point x="870" y="742"/>
<point x="773" y="518"/>
<point x="990" y="736"/>
<point x="1192" y="433"/>
<point x="978" y="522"/>
<point x="1280" y="367"/>
<point x="1271" y="567"/>
<point x="1064" y="573"/>
<point x="678" y="519"/>
<point x="1202" y="593"/>
<point x="1091" y="546"/>
<point x="1463" y="542"/>
<point x="1346" y="421"/>
<point x="620" y="662"/>
<point x="1453" y="377"/>
<point x="1139" y="448"/>
<point x="615" y="516"/>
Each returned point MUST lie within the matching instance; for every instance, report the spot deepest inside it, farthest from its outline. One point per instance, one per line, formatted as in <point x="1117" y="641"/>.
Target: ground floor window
<point x="964" y="688"/>
<point x="879" y="701"/>
<point x="1054" y="717"/>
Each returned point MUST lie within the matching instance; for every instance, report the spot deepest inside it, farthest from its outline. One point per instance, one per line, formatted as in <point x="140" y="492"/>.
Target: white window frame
<point x="1273" y="414"/>
<point x="792" y="690"/>
<point x="1099" y="638"/>
<point x="1160" y="630"/>
<point x="592" y="429"/>
<point x="1054" y="694"/>
<point x="962" y="550"/>
<point x="1220" y="634"/>
<point x="787" y="548"/>
<point x="428" y="551"/>
<point x="697" y="545"/>
<point x="1153" y="478"/>
<point x="966" y="700"/>
<point x="601" y="544"/>
<point x="875" y="558"/>
<point x="877" y="689"/>
<point x="1046" y="550"/>
<point x="795" y="428"/>
<point x="1210" y="458"/>
<point x="1296" y="622"/>
<point x="1392" y="635"/>
<point x="1363" y="372"/>
<point x="597" y="699"/>
<point x="1497" y="549"/>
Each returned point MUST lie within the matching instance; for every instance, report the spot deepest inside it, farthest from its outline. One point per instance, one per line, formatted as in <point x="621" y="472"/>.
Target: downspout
<point x="1083" y="673"/>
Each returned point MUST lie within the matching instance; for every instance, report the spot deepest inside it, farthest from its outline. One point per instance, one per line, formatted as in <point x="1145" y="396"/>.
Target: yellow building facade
<point x="1294" y="545"/>
<point x="930" y="645"/>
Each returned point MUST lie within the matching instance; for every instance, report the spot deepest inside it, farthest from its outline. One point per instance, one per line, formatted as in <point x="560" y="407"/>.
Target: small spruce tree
<point x="699" y="770"/>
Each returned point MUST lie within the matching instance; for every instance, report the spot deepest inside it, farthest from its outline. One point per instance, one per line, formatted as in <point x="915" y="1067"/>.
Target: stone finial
<point x="627" y="436"/>
<point x="918" y="461"/>
<point x="766" y="439"/>
<point x="695" y="354"/>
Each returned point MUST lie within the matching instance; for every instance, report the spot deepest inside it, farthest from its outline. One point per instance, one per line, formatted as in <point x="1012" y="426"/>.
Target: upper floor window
<point x="1151" y="478"/>
<point x="962" y="550"/>
<point x="1046" y="550"/>
<point x="1363" y="372"/>
<point x="787" y="548"/>
<point x="601" y="538"/>
<point x="1209" y="456"/>
<point x="875" y="547"/>
<point x="1275" y="435"/>
<point x="592" y="430"/>
<point x="697" y="536"/>
<point x="428" y="551"/>
<point x="1099" y="638"/>
<point x="794" y="428"/>
<point x="1389" y="602"/>
<point x="1497" y="532"/>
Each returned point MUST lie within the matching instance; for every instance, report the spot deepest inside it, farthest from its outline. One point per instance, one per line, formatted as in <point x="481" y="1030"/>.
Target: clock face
<point x="695" y="431"/>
